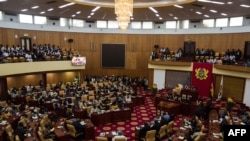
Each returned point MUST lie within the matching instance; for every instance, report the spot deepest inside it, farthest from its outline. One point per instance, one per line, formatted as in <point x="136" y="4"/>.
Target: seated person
<point x="20" y="131"/>
<point x="78" y="126"/>
<point x="114" y="106"/>
<point x="119" y="136"/>
<point x="48" y="132"/>
<point x="156" y="126"/>
<point x="143" y="131"/>
<point x="95" y="109"/>
<point x="128" y="98"/>
<point x="106" y="101"/>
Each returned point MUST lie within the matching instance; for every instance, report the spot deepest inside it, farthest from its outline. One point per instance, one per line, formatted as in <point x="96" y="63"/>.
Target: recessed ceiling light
<point x="206" y="16"/>
<point x="78" y="12"/>
<point x="244" y="5"/>
<point x="160" y="18"/>
<point x="157" y="15"/>
<point x="89" y="16"/>
<point x="35" y="7"/>
<point x="3" y="0"/>
<point x="210" y="1"/>
<point x="214" y="11"/>
<point x="51" y="9"/>
<point x="23" y="10"/>
<point x="73" y="15"/>
<point x="175" y="18"/>
<point x="229" y="2"/>
<point x="92" y="14"/>
<point x="223" y="14"/>
<point x="42" y="12"/>
<point x="197" y="12"/>
<point x="152" y="9"/>
<point x="96" y="8"/>
<point x="66" y="5"/>
<point x="178" y="6"/>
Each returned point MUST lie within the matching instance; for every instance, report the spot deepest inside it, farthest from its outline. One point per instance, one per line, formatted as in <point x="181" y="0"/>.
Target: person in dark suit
<point x="78" y="126"/>
<point x="143" y="130"/>
<point x="20" y="131"/>
<point x="207" y="108"/>
<point x="156" y="126"/>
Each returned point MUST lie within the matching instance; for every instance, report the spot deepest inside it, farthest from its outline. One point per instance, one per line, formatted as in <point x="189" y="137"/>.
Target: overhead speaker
<point x="70" y="40"/>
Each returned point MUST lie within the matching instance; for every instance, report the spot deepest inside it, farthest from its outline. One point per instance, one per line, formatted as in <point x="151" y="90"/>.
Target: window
<point x="40" y="20"/>
<point x="171" y="24"/>
<point x="136" y="25"/>
<point x="78" y="23"/>
<point x="236" y="21"/>
<point x="1" y="15"/>
<point x="101" y="24"/>
<point x="185" y="24"/>
<point x="63" y="22"/>
<point x="222" y="22"/>
<point x="113" y="24"/>
<point x="147" y="25"/>
<point x="208" y="23"/>
<point x="26" y="18"/>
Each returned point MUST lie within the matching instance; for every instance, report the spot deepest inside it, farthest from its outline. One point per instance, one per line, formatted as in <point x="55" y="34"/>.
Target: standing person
<point x="145" y="83"/>
<point x="76" y="80"/>
<point x="207" y="108"/>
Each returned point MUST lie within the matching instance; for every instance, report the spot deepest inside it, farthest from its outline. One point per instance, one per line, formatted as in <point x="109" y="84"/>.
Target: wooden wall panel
<point x="232" y="86"/>
<point x="62" y="77"/>
<point x="23" y="80"/>
<point x="131" y="60"/>
<point x="138" y="46"/>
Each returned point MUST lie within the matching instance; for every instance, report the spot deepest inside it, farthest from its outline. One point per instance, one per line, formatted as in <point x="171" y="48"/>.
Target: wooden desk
<point x="32" y="131"/>
<point x="81" y="113"/>
<point x="61" y="133"/>
<point x="175" y="107"/>
<point x="111" y="116"/>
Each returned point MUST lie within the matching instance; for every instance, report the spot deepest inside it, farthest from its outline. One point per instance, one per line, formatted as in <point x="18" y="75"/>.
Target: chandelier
<point x="123" y="11"/>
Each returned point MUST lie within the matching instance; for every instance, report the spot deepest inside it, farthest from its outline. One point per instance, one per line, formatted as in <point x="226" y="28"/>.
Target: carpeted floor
<point x="141" y="114"/>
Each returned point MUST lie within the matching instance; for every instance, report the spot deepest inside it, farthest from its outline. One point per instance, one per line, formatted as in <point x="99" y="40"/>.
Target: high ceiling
<point x="82" y="9"/>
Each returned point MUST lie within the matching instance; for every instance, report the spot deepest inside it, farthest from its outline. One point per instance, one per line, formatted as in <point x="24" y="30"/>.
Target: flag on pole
<point x="220" y="88"/>
<point x="212" y="89"/>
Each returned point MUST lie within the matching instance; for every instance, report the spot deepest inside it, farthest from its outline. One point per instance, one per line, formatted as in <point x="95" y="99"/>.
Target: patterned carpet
<point x="141" y="114"/>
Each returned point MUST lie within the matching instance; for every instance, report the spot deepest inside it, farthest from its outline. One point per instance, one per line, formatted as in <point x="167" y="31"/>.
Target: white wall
<point x="246" y="99"/>
<point x="159" y="78"/>
<point x="15" y="25"/>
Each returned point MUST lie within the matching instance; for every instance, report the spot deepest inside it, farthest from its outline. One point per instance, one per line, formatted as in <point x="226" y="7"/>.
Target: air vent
<point x="197" y="5"/>
<point x="51" y="1"/>
<point x="158" y="22"/>
<point x="53" y="18"/>
<point x="10" y="14"/>
<point x="90" y="21"/>
<point x="195" y="21"/>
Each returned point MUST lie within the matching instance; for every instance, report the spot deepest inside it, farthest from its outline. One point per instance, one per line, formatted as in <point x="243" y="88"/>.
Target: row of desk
<point x="111" y="116"/>
<point x="174" y="107"/>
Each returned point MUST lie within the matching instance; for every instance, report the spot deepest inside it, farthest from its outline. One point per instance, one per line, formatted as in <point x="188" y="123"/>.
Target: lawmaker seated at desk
<point x="119" y="136"/>
<point x="128" y="98"/>
<point x="106" y="101"/>
<point x="93" y="110"/>
<point x="114" y="106"/>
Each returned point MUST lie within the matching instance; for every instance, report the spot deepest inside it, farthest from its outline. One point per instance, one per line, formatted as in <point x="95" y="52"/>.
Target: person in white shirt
<point x="119" y="136"/>
<point x="128" y="98"/>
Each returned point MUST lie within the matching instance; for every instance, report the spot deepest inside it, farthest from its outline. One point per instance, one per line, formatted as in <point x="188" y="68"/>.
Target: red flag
<point x="202" y="78"/>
